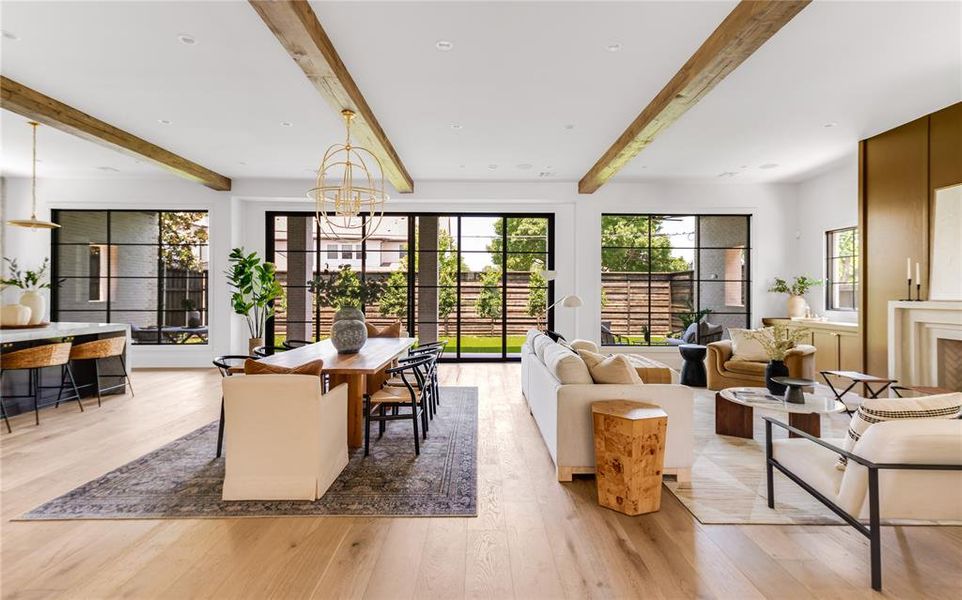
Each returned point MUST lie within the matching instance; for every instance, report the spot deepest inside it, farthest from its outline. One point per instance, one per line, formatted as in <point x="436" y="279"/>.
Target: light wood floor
<point x="533" y="538"/>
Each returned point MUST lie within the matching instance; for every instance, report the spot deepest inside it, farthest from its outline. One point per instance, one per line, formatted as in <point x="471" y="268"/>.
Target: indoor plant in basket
<point x="796" y="292"/>
<point x="31" y="282"/>
<point x="345" y="292"/>
<point x="777" y="341"/>
<point x="255" y="288"/>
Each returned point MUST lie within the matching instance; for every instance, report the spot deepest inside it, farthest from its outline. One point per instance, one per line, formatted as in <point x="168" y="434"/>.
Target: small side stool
<point x="98" y="350"/>
<point x="629" y="455"/>
<point x="693" y="369"/>
<point x="34" y="359"/>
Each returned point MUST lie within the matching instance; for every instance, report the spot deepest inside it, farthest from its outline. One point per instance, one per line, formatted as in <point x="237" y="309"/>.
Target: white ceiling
<point x="520" y="73"/>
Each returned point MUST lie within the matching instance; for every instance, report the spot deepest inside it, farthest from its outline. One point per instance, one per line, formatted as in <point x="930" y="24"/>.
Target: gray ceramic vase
<point x="348" y="333"/>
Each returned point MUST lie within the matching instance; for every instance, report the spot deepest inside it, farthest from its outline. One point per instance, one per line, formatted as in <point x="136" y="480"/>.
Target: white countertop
<point x="59" y="330"/>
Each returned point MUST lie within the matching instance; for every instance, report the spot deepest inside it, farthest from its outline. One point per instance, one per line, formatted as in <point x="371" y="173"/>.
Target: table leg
<point x="356" y="386"/>
<point x="732" y="418"/>
<point x="809" y="423"/>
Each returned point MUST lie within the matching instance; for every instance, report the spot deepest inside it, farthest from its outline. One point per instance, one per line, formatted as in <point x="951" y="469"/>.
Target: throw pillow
<point x="610" y="369"/>
<point x="388" y="331"/>
<point x="747" y="348"/>
<point x="583" y="345"/>
<point x="876" y="410"/>
<point x="565" y="365"/>
<point x="540" y="344"/>
<point x="256" y="367"/>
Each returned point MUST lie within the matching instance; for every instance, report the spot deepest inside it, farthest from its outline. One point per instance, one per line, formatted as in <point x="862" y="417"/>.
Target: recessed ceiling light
<point x="286" y="124"/>
<point x="11" y="36"/>
<point x="444" y="45"/>
<point x="830" y="125"/>
<point x="492" y="167"/>
<point x="569" y="127"/>
<point x="545" y="174"/>
<point x="164" y="121"/>
<point x="186" y="38"/>
<point x="240" y="162"/>
<point x="455" y="126"/>
<point x="614" y="47"/>
<point x="768" y="166"/>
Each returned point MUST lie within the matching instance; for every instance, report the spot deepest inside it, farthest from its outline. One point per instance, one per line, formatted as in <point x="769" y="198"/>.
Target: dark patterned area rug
<point x="183" y="479"/>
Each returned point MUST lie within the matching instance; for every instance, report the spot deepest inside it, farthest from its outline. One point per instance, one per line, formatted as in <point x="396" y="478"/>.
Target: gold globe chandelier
<point x="349" y="196"/>
<point x="33" y="222"/>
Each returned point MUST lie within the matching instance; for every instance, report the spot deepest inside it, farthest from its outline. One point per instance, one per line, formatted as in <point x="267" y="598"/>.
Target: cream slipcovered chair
<point x="284" y="439"/>
<point x="905" y="470"/>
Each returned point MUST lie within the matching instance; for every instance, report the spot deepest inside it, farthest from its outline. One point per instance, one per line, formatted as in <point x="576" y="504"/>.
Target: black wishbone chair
<point x="388" y="403"/>
<point x="227" y="365"/>
<point x="262" y="351"/>
<point x="437" y="348"/>
<point x="291" y="344"/>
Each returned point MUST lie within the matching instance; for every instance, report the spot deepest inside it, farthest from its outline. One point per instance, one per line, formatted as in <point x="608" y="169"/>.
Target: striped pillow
<point x="875" y="410"/>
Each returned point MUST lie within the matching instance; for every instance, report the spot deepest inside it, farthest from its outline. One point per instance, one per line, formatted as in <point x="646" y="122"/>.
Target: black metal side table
<point x="693" y="369"/>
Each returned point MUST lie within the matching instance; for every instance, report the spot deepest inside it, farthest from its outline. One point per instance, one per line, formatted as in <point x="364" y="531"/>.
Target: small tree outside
<point x="537" y="292"/>
<point x="488" y="303"/>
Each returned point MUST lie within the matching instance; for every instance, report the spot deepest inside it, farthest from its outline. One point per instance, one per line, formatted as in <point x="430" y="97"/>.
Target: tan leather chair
<point x="284" y="439"/>
<point x="723" y="372"/>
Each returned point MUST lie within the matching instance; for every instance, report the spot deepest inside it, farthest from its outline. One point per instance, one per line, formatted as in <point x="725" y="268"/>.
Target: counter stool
<point x="100" y="349"/>
<point x="34" y="359"/>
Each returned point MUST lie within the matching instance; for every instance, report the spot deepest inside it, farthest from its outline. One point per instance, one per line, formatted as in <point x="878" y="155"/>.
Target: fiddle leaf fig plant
<point x="255" y="286"/>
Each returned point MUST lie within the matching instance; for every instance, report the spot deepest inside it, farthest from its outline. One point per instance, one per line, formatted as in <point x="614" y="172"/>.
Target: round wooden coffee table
<point x="734" y="410"/>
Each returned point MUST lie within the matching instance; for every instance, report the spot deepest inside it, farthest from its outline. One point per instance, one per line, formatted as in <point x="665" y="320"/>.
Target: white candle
<point x="918" y="277"/>
<point x="908" y="268"/>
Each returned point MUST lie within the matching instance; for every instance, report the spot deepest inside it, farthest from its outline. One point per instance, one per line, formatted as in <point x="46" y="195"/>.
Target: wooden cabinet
<point x="838" y="346"/>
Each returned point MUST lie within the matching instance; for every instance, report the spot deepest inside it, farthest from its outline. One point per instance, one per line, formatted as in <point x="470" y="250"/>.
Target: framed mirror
<point x="945" y="276"/>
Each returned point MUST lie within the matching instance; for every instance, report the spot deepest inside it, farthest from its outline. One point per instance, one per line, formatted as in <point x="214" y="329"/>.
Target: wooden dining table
<point x="356" y="369"/>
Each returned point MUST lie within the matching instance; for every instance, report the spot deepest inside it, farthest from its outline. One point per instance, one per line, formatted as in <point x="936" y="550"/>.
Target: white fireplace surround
<point x="914" y="329"/>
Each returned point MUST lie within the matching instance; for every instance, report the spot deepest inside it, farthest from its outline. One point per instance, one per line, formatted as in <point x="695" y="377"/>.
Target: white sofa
<point x="560" y="402"/>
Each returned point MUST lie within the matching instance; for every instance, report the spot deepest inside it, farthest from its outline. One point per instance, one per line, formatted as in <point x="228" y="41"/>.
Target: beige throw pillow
<point x="565" y="365"/>
<point x="746" y="348"/>
<point x="583" y="345"/>
<point x="609" y="369"/>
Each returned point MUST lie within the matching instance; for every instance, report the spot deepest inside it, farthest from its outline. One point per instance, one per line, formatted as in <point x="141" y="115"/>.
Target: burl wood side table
<point x="629" y="455"/>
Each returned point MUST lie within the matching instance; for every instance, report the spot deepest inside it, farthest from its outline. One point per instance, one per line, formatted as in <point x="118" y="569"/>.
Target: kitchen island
<point x="15" y="382"/>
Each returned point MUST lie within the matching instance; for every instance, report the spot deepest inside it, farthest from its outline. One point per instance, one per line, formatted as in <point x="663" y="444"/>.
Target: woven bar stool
<point x="34" y="359"/>
<point x="98" y="350"/>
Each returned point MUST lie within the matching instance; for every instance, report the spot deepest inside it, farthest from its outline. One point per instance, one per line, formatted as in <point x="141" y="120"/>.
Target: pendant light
<point x="33" y="222"/>
<point x="349" y="196"/>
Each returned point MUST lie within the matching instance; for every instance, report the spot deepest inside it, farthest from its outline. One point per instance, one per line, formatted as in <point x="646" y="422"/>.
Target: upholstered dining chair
<point x="290" y="448"/>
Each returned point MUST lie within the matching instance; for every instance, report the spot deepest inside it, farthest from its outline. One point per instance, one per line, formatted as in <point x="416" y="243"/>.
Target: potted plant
<point x="255" y="289"/>
<point x="795" y="291"/>
<point x="344" y="291"/>
<point x="31" y="282"/>
<point x="777" y="341"/>
<point x="193" y="315"/>
<point x="689" y="318"/>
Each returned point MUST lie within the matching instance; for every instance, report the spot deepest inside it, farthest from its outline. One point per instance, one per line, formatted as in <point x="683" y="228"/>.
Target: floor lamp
<point x="572" y="301"/>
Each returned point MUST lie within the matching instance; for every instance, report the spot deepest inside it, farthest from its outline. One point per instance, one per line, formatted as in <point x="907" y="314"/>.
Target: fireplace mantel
<point x="914" y="329"/>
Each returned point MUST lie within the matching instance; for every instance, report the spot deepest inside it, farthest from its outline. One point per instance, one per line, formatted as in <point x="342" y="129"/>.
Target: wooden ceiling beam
<point x="296" y="27"/>
<point x="750" y="24"/>
<point x="36" y="106"/>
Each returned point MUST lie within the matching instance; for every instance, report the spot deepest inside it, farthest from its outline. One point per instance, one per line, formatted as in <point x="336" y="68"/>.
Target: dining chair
<point x="98" y="350"/>
<point x="262" y="351"/>
<point x="227" y="365"/>
<point x="388" y="403"/>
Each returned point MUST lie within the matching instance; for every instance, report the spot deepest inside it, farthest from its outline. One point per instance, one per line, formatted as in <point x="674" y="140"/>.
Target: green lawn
<point x="476" y="344"/>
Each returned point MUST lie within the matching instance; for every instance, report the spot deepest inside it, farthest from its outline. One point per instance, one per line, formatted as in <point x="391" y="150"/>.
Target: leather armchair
<point x="723" y="372"/>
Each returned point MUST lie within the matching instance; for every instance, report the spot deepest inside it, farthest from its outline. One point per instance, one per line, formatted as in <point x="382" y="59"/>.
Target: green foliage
<point x="394" y="301"/>
<point x="26" y="280"/>
<point x="255" y="288"/>
<point x="524" y="235"/>
<point x="488" y="303"/>
<point x="537" y="291"/>
<point x="778" y="339"/>
<point x="344" y="287"/>
<point x="799" y="286"/>
<point x="180" y="235"/>
<point x="847" y="246"/>
<point x="692" y="316"/>
<point x="624" y="246"/>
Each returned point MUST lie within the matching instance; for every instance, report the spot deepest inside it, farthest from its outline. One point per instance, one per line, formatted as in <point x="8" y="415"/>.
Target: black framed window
<point x="671" y="279"/>
<point x="444" y="277"/>
<point x="842" y="291"/>
<point x="147" y="268"/>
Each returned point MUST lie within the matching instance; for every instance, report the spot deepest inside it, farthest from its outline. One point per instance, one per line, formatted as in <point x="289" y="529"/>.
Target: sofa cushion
<point x="746" y="348"/>
<point x="531" y="336"/>
<point x="811" y="462"/>
<point x="583" y="345"/>
<point x="876" y="410"/>
<point x="610" y="369"/>
<point x="746" y="367"/>
<point x="540" y="343"/>
<point x="565" y="365"/>
<point x="650" y="371"/>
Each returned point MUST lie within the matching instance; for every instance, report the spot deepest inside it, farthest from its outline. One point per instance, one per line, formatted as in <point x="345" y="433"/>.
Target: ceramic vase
<point x="193" y="318"/>
<point x="796" y="306"/>
<point x="14" y="315"/>
<point x="348" y="333"/>
<point x="37" y="304"/>
<point x="775" y="368"/>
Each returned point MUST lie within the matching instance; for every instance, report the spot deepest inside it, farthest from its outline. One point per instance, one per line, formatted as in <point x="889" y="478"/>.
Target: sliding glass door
<point x="473" y="280"/>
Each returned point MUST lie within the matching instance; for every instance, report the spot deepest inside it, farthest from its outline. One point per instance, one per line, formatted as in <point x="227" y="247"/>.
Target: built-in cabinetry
<point x="838" y="346"/>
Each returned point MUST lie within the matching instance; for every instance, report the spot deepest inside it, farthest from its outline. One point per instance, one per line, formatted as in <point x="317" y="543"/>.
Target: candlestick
<point x="909" y="297"/>
<point x="918" y="292"/>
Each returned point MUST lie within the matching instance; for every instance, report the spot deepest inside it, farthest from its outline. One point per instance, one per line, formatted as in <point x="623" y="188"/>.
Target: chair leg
<point x="220" y="428"/>
<point x="73" y="384"/>
<point x="414" y="421"/>
<point x="123" y="365"/>
<point x="97" y="379"/>
<point x="35" y="376"/>
<point x="63" y="378"/>
<point x="382" y="425"/>
<point x="367" y="425"/>
<point x="3" y="408"/>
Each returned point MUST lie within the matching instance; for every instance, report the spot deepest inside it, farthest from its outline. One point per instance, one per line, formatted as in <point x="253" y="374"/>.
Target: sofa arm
<point x="719" y="353"/>
<point x="800" y="361"/>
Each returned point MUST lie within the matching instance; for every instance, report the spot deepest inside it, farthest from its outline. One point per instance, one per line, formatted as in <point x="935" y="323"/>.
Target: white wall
<point x="826" y="201"/>
<point x="237" y="218"/>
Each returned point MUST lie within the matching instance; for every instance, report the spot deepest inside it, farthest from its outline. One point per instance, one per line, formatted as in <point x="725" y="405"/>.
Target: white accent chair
<point x="900" y="471"/>
<point x="284" y="439"/>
